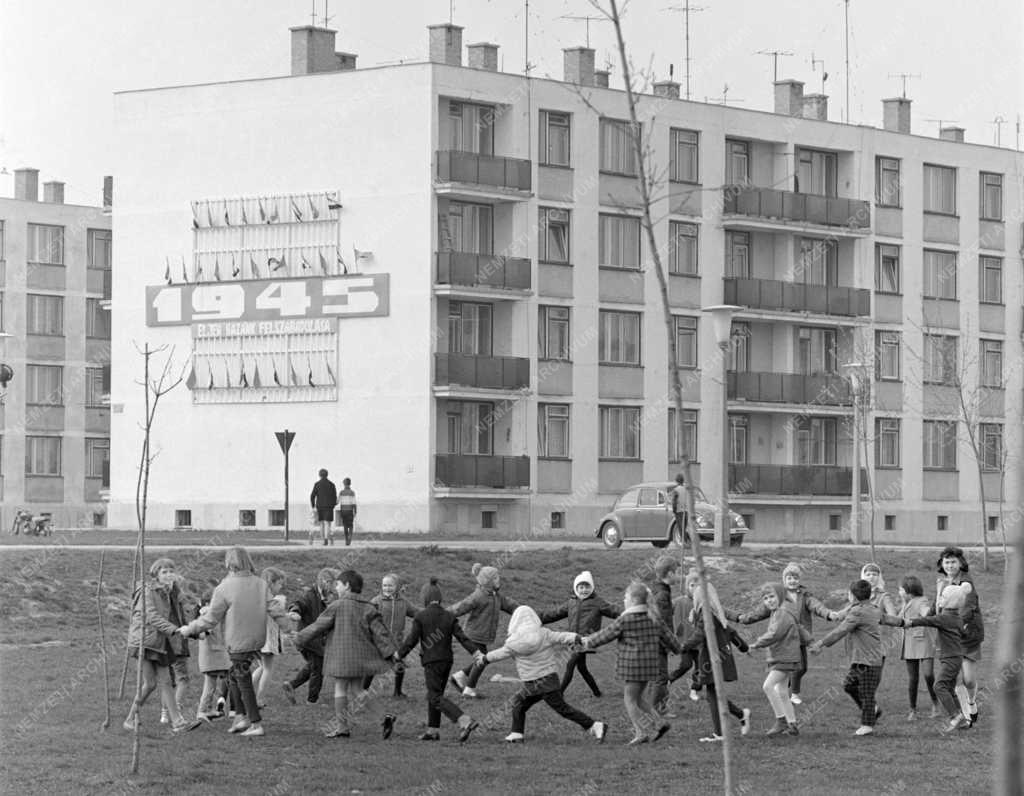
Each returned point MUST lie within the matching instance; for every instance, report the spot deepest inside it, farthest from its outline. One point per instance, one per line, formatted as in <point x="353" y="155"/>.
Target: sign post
<point x="284" y="439"/>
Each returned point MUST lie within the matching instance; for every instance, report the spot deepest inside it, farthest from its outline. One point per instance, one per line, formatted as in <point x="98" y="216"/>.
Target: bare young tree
<point x="1009" y="677"/>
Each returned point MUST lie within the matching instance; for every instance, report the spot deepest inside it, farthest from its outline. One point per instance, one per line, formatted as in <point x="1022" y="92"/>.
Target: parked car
<point x="644" y="514"/>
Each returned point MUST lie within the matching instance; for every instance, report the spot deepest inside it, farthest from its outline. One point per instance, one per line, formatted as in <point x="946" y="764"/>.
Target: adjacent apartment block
<point x="435" y="274"/>
<point x="55" y="268"/>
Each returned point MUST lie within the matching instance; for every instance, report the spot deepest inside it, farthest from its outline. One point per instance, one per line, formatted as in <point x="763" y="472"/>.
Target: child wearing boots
<point x="483" y="605"/>
<point x="784" y="639"/>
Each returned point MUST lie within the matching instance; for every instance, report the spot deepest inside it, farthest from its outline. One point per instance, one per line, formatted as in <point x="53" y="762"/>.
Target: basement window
<point x="183" y="518"/>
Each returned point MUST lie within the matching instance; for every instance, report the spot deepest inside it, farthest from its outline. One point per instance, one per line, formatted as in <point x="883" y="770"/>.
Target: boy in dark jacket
<point x="322" y="500"/>
<point x="433" y="629"/>
<point x="584" y="611"/>
<point x="666" y="570"/>
<point x="305" y="610"/>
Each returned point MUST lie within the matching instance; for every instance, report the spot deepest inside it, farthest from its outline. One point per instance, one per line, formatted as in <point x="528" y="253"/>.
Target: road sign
<point x="284" y="439"/>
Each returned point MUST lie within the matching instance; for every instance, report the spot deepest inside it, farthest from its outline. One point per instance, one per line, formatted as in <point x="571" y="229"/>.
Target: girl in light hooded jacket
<point x="532" y="646"/>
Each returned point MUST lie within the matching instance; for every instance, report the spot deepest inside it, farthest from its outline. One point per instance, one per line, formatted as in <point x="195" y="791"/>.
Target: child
<point x="532" y="647"/>
<point x="950" y="632"/>
<point x="864" y="645"/>
<point x="953" y="569"/>
<point x="322" y="500"/>
<point x="785" y="640"/>
<point x="242" y="602"/>
<point x="213" y="665"/>
<point x="584" y="611"/>
<point x="161" y="647"/>
<point x="433" y="629"/>
<point x="666" y="572"/>
<point x="358" y="645"/>
<point x="483" y="605"/>
<point x="393" y="609"/>
<point x="304" y="612"/>
<point x="682" y="608"/>
<point x="272" y="647"/>
<point x="643" y="639"/>
<point x="347" y="509"/>
<point x="917" y="646"/>
<point x="711" y="606"/>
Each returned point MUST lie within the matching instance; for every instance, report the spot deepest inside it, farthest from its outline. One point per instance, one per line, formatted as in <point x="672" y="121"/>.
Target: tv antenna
<point x="326" y="18"/>
<point x="904" y="77"/>
<point x="586" y="19"/>
<point x="686" y="10"/>
<point x="999" y="121"/>
<point x="775" y="60"/>
<point x="824" y="74"/>
<point x="724" y="99"/>
<point x="942" y="123"/>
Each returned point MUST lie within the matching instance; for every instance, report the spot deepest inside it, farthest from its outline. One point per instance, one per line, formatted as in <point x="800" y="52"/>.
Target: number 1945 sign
<point x="358" y="295"/>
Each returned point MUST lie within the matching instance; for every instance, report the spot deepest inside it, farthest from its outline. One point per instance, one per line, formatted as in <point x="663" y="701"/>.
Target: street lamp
<point x="855" y="373"/>
<point x="721" y="324"/>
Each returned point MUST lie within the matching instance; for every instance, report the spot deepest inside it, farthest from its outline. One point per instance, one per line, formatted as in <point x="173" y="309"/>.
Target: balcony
<point x="790" y="388"/>
<point x="770" y="294"/>
<point x="481" y="372"/>
<point x="496" y="177"/>
<point x="788" y="479"/>
<point x="463" y="269"/>
<point x="788" y="207"/>
<point x="460" y="470"/>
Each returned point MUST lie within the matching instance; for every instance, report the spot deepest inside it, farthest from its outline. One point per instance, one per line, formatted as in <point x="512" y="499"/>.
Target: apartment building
<point x="55" y="268"/>
<point x="443" y="265"/>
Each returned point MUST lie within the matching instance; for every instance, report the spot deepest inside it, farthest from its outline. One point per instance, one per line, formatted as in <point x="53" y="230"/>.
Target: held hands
<point x="480" y="658"/>
<point x="833" y="616"/>
<point x="814" y="648"/>
<point x="183" y="631"/>
<point x="294" y="616"/>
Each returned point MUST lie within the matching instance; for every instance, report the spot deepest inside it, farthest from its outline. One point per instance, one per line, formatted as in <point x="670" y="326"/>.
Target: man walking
<point x="323" y="499"/>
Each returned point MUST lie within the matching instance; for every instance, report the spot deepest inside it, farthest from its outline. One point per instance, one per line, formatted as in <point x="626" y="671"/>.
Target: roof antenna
<point x="686" y="9"/>
<point x="775" y="61"/>
<point x="904" y="77"/>
<point x="824" y="74"/>
<point x="587" y="19"/>
<point x="326" y="18"/>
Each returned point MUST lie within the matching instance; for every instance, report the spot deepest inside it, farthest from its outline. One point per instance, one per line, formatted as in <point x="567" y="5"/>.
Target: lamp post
<point x="721" y="322"/>
<point x="853" y="371"/>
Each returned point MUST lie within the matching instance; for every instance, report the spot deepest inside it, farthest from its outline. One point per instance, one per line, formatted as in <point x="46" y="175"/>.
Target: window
<point x="42" y="456"/>
<point x="96" y="386"/>
<point x="887" y="182"/>
<point x="993" y="523"/>
<point x="942" y="522"/>
<point x="183" y="518"/>
<point x="818" y="262"/>
<point x="991" y="363"/>
<point x="618" y="338"/>
<point x="553" y="431"/>
<point x="488" y="519"/>
<point x="739" y="347"/>
<point x="557" y="520"/>
<point x="887" y="442"/>
<point x="816" y="440"/>
<point x="682" y="438"/>
<point x="553" y="235"/>
<point x="816" y="172"/>
<point x="45" y="244"/>
<point x="686" y="341"/>
<point x="889" y="522"/>
<point x="887" y="356"/>
<point x="939" y="189"/>
<point x="683" y="155"/>
<point x="98" y="244"/>
<point x="467" y="228"/>
<point x="834" y="521"/>
<point x="990" y="271"/>
<point x="737" y="162"/>
<point x="45" y="314"/>
<point x="44" y="385"/>
<point x="275" y="518"/>
<point x="739" y="432"/>
<point x="939" y="274"/>
<point x="887" y="268"/>
<point x="470" y="427"/>
<point x="97" y="457"/>
<point x="940" y="359"/>
<point x="555" y="136"/>
<point x="471" y="128"/>
<point x="682" y="248"/>
<point x="554" y="333"/>
<point x="469" y="328"/>
<point x="737" y="254"/>
<point x="991" y="439"/>
<point x="97" y="320"/>
<point x="940" y="444"/>
<point x="618" y="154"/>
<point x="619" y="244"/>
<point x="817" y="350"/>
<point x="620" y="432"/>
<point x="247" y="518"/>
<point x="991" y="196"/>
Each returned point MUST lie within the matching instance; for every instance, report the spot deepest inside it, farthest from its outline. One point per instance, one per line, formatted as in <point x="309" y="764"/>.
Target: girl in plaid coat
<point x="643" y="643"/>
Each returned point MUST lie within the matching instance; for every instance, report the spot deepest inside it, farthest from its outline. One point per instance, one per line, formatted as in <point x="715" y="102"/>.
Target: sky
<point x="61" y="62"/>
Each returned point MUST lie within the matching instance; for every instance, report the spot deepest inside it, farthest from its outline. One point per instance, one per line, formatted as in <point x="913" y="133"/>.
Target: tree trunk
<point x="1008" y="682"/>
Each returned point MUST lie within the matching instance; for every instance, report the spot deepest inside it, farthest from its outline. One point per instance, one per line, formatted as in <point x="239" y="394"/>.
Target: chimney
<point x="952" y="134"/>
<point x="579" y="65"/>
<point x="313" y="51"/>
<point x="53" y="192"/>
<point x="789" y="97"/>
<point x="446" y="44"/>
<point x="108" y="192"/>
<point x="666" y="88"/>
<point x="896" y="114"/>
<point x="601" y="78"/>
<point x="483" y="55"/>
<point x="26" y="184"/>
<point x="815" y="106"/>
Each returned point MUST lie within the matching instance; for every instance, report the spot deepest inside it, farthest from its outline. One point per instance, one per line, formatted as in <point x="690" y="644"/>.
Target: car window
<point x="628" y="500"/>
<point x="661" y="498"/>
<point x="648" y="497"/>
<point x="698" y="495"/>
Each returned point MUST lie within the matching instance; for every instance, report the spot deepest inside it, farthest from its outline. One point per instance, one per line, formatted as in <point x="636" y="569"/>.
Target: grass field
<point x="52" y="700"/>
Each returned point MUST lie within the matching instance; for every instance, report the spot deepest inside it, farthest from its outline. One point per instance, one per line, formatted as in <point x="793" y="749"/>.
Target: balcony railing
<point x="490" y="170"/>
<point x="788" y="479"/>
<point x="770" y="203"/>
<point x="771" y="294"/>
<point x="483" y="270"/>
<point x="492" y="472"/>
<point x="790" y="388"/>
<point x="491" y="373"/>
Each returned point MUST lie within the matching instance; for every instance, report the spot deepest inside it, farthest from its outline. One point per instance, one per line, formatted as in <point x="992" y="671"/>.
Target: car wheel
<point x="680" y="538"/>
<point x="610" y="535"/>
<point x="660" y="543"/>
